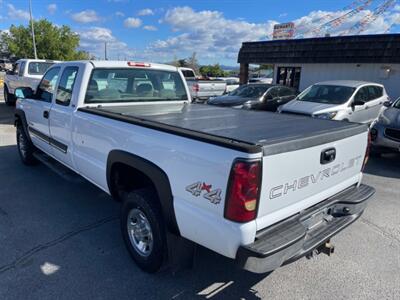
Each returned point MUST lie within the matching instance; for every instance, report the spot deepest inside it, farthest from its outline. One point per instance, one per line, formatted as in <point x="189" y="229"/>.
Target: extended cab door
<point x="61" y="115"/>
<point x="37" y="110"/>
<point x="12" y="77"/>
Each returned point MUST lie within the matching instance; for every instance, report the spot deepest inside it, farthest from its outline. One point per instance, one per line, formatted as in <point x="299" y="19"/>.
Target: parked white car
<point x="26" y="72"/>
<point x="354" y="101"/>
<point x="247" y="185"/>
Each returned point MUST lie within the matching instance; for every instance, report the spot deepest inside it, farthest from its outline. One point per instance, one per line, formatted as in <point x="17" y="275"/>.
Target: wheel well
<point x="125" y="178"/>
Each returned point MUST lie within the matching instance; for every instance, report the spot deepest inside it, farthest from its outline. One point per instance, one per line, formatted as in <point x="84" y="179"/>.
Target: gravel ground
<point x="62" y="240"/>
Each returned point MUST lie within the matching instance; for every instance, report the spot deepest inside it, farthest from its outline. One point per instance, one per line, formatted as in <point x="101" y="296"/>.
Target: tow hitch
<point x="327" y="248"/>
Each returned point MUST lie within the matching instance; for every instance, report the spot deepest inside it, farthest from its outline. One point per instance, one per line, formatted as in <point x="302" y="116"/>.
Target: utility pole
<point x="33" y="30"/>
<point x="105" y="51"/>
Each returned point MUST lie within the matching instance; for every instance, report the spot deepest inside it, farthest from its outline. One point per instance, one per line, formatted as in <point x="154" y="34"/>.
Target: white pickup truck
<point x="26" y="72"/>
<point x="202" y="90"/>
<point x="261" y="188"/>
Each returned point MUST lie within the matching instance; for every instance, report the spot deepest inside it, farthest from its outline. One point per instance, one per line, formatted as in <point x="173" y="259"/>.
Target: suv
<point x="354" y="101"/>
<point x="26" y="73"/>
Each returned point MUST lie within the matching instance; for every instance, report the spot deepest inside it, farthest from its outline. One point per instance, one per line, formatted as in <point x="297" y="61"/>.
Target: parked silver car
<point x="354" y="101"/>
<point x="385" y="131"/>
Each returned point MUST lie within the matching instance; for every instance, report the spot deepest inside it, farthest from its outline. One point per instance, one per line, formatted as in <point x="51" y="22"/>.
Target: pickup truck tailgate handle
<point x="46" y="114"/>
<point x="328" y="155"/>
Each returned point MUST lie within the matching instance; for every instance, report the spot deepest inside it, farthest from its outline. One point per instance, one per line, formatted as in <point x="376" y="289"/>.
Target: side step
<point x="58" y="168"/>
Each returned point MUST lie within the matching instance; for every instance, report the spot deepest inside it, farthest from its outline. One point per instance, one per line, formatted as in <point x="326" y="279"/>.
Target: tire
<point x="147" y="250"/>
<point x="9" y="99"/>
<point x="25" y="147"/>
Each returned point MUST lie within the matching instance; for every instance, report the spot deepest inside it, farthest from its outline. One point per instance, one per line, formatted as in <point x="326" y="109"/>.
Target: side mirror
<point x="268" y="97"/>
<point x="24" y="92"/>
<point x="387" y="103"/>
<point x="10" y="72"/>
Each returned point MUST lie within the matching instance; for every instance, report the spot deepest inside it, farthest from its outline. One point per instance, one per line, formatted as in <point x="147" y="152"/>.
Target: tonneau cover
<point x="244" y="130"/>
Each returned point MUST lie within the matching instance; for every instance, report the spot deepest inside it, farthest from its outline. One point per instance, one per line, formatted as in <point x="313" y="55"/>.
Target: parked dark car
<point x="385" y="130"/>
<point x="256" y="96"/>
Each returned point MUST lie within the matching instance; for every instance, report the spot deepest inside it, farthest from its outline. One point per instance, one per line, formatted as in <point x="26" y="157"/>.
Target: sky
<point x="161" y="30"/>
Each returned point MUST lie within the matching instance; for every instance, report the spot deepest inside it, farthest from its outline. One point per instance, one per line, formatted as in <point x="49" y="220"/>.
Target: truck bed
<point x="243" y="130"/>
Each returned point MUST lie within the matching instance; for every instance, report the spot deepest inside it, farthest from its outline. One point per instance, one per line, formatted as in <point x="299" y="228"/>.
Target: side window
<point x="47" y="86"/>
<point x="21" y="69"/>
<point x="66" y="86"/>
<point x="362" y="94"/>
<point x="372" y="93"/>
<point x="379" y="91"/>
<point x="272" y="93"/>
<point x="375" y="92"/>
<point x="284" y="92"/>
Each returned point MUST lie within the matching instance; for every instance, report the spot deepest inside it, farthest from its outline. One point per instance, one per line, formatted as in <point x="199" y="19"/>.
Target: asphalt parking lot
<point x="62" y="240"/>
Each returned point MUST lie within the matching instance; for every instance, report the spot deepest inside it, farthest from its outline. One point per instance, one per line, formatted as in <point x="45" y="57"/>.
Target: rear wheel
<point x="25" y="147"/>
<point x="143" y="230"/>
<point x="9" y="99"/>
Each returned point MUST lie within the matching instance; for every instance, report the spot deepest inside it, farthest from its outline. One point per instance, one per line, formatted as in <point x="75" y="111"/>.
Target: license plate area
<point x="316" y="219"/>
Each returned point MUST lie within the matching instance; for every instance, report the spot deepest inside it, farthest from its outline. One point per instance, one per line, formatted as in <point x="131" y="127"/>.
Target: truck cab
<point x="25" y="73"/>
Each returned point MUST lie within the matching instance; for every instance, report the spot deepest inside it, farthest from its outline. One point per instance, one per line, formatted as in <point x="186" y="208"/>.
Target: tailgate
<point x="293" y="181"/>
<point x="212" y="88"/>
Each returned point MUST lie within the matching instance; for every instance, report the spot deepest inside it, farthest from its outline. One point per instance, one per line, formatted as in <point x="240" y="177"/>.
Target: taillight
<point x="196" y="87"/>
<point x="366" y="157"/>
<point x="244" y="190"/>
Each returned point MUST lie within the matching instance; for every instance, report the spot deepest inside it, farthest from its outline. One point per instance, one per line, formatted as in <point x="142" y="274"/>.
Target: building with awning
<point x="300" y="63"/>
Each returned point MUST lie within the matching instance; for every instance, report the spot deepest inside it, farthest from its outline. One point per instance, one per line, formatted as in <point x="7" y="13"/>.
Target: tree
<point x="3" y="45"/>
<point x="193" y="63"/>
<point x="182" y="63"/>
<point x="212" y="71"/>
<point x="52" y="42"/>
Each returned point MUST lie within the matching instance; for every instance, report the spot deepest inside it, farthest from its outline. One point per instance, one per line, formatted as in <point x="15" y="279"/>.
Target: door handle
<point x="46" y="114"/>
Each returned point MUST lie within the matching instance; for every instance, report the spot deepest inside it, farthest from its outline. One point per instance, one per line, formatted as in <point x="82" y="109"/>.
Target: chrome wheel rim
<point x="23" y="147"/>
<point x="140" y="233"/>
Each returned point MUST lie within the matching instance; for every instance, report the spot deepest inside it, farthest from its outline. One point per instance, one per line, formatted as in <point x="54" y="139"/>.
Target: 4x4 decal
<point x="198" y="188"/>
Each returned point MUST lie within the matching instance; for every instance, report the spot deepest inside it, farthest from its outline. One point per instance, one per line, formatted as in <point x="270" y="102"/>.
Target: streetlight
<point x="33" y="30"/>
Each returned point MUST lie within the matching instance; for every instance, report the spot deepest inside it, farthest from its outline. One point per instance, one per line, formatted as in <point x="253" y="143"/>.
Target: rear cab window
<point x="134" y="85"/>
<point x="38" y="68"/>
<point x="188" y="73"/>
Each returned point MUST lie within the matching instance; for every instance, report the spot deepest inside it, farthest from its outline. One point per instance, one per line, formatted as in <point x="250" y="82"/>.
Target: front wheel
<point x="143" y="229"/>
<point x="9" y="98"/>
<point x="25" y="147"/>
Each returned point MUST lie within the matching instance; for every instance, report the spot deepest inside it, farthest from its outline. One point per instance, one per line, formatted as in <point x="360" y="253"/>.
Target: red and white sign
<point x="283" y="31"/>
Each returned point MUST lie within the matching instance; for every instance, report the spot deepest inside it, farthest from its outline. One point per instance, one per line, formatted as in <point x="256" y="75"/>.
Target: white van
<point x="354" y="101"/>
